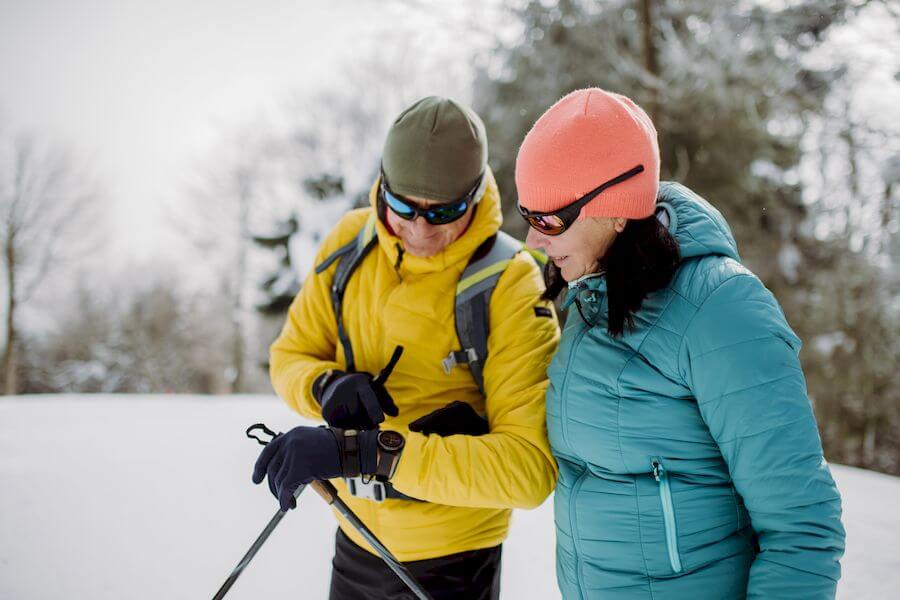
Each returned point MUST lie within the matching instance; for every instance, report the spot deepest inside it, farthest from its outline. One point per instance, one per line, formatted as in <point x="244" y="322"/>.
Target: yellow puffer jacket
<point x="469" y="483"/>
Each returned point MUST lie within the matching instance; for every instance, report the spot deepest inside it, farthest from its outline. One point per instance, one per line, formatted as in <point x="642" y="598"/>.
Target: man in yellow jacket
<point x="452" y="450"/>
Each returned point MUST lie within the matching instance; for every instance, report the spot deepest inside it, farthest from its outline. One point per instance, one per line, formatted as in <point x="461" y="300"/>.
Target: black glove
<point x="356" y="400"/>
<point x="307" y="453"/>
<point x="455" y="418"/>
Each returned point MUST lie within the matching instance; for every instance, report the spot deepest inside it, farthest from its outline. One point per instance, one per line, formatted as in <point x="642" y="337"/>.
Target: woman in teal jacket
<point x="690" y="465"/>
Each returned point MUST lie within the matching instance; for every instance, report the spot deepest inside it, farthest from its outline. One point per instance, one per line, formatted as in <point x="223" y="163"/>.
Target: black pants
<point x="358" y="575"/>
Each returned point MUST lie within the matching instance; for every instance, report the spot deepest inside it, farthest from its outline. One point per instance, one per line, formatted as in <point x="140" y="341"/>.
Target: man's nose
<point x="420" y="226"/>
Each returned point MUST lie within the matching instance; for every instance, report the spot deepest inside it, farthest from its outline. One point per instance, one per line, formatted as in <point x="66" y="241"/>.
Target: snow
<point x="110" y="497"/>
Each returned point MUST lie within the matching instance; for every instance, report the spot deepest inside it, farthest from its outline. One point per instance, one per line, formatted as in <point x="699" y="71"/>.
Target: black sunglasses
<point x="556" y="222"/>
<point x="439" y="214"/>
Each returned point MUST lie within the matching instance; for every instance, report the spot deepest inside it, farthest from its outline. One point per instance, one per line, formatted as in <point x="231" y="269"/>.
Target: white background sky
<point x="142" y="90"/>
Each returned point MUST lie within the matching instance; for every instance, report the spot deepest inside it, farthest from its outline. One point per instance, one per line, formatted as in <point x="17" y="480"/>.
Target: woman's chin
<point x="568" y="271"/>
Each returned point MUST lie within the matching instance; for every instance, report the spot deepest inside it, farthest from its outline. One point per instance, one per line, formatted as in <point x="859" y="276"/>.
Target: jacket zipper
<point x="665" y="496"/>
<point x="399" y="260"/>
<point x="575" y="489"/>
<point x="577" y="486"/>
<point x="563" y="409"/>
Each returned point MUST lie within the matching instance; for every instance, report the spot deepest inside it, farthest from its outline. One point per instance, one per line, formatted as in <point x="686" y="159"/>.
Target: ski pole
<point x="266" y="532"/>
<point x="260" y="540"/>
<point x="328" y="493"/>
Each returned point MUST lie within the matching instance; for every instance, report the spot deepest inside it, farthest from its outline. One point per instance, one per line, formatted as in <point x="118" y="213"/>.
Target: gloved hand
<point x="455" y="418"/>
<point x="307" y="453"/>
<point x="356" y="401"/>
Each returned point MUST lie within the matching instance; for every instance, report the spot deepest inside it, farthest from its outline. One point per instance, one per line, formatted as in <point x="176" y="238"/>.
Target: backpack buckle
<point x="463" y="357"/>
<point x="366" y="488"/>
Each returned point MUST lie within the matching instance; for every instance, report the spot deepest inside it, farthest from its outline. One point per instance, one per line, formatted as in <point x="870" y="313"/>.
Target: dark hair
<point x="642" y="259"/>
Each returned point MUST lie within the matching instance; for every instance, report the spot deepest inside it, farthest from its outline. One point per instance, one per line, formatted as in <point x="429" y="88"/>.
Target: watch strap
<point x="349" y="443"/>
<point x="387" y="464"/>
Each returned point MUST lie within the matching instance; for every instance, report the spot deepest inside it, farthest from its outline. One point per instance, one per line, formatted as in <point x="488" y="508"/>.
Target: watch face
<point x="390" y="441"/>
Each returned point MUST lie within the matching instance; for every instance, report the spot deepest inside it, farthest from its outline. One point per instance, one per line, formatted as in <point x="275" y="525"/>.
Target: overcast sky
<point x="142" y="90"/>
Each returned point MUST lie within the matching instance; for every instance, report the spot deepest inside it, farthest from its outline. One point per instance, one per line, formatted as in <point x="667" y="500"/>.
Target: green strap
<point x="481" y="275"/>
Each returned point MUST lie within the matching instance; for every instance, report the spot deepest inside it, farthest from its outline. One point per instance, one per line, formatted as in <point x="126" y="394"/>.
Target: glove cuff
<point x="322" y="382"/>
<point x="358" y="451"/>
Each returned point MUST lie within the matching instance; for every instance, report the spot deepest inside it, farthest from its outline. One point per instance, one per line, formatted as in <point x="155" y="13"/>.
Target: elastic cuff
<point x="322" y="381"/>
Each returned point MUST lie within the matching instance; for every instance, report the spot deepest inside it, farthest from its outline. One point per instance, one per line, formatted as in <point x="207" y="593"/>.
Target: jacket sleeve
<point x="740" y="358"/>
<point x="306" y="347"/>
<point x="510" y="467"/>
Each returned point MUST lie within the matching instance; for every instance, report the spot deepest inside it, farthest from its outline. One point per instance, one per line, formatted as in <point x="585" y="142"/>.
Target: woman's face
<point x="577" y="251"/>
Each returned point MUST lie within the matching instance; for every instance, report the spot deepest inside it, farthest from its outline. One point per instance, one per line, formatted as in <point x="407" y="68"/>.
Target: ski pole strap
<point x="389" y="368"/>
<point x="251" y="433"/>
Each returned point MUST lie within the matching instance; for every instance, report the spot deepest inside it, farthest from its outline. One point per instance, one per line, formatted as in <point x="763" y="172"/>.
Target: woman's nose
<point x="534" y="239"/>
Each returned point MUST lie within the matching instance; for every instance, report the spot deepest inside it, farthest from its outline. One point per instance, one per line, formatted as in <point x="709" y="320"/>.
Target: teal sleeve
<point x="740" y="358"/>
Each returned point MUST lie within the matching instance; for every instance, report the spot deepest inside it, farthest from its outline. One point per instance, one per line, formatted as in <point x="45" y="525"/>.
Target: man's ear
<point x="619" y="224"/>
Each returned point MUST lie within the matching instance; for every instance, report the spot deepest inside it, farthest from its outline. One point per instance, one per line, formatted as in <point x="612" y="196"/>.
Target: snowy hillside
<point x="112" y="497"/>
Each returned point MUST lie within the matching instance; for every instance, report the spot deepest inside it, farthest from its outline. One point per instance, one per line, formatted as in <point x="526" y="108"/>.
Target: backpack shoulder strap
<point x="473" y="298"/>
<point x="348" y="257"/>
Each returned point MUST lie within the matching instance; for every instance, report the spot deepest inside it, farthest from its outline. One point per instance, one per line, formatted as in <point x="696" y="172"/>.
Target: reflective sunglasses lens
<point x="447" y="213"/>
<point x="547" y="224"/>
<point x="402" y="209"/>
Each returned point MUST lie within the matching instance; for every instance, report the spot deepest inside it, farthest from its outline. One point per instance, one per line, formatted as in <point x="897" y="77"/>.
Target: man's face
<point x="419" y="237"/>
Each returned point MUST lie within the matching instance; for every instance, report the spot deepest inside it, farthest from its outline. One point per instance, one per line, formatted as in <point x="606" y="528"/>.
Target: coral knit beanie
<point x="582" y="141"/>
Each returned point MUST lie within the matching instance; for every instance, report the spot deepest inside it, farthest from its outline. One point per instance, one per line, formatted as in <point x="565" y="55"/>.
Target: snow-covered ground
<point x="149" y="497"/>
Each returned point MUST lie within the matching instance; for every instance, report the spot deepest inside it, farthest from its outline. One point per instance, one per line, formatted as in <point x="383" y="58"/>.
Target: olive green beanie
<point x="436" y="149"/>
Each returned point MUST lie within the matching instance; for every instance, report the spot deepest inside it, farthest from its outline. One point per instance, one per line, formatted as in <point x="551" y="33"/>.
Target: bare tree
<point x="216" y="221"/>
<point x="47" y="218"/>
<point x="145" y="335"/>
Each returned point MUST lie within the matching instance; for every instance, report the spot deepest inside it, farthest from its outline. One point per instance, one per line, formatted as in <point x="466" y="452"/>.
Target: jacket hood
<point x="697" y="226"/>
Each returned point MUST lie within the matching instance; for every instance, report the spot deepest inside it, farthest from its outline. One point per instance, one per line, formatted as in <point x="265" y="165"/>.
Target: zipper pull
<point x="399" y="258"/>
<point x="657" y="470"/>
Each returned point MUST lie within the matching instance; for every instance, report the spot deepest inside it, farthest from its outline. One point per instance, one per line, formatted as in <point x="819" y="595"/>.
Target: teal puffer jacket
<point x="690" y="465"/>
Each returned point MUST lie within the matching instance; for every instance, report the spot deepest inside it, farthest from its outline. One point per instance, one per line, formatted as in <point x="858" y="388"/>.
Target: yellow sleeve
<point x="510" y="467"/>
<point x="306" y="347"/>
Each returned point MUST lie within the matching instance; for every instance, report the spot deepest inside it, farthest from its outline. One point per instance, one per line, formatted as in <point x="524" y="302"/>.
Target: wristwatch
<point x="390" y="446"/>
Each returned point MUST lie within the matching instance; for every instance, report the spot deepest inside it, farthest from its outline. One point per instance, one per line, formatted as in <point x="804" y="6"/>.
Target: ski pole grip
<point x="325" y="490"/>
